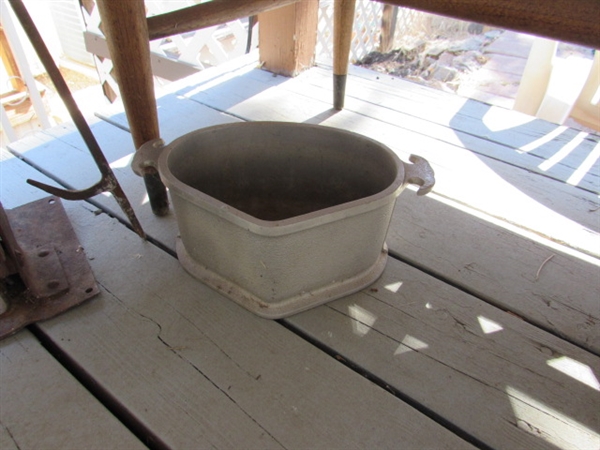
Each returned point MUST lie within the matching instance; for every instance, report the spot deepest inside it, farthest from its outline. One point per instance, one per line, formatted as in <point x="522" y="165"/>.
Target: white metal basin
<point x="281" y="217"/>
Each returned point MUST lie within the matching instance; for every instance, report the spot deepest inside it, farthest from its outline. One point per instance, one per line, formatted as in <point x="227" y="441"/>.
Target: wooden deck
<point x="482" y="332"/>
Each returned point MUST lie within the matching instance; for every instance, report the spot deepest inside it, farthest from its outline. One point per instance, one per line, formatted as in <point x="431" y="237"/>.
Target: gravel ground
<point x="442" y="63"/>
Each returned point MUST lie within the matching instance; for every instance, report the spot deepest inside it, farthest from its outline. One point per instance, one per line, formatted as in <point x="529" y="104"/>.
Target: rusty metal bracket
<point x="43" y="268"/>
<point x="108" y="181"/>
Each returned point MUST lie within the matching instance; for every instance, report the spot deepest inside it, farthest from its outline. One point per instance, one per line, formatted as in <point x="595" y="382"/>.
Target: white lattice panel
<point x="202" y="48"/>
<point x="367" y="28"/>
<point x="366" y="31"/>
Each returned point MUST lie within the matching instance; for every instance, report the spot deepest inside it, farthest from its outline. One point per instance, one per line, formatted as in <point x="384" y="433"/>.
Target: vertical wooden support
<point x="12" y="70"/>
<point x="126" y="29"/>
<point x="389" y="19"/>
<point x="343" y="20"/>
<point x="288" y="37"/>
<point x="19" y="54"/>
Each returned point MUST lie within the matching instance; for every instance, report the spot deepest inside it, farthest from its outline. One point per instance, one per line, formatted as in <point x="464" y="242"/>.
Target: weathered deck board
<point x="426" y="340"/>
<point x="44" y="407"/>
<point x="521" y="140"/>
<point x="423" y="111"/>
<point x="493" y="123"/>
<point x="499" y="265"/>
<point x="553" y="208"/>
<point x="496" y="377"/>
<point x="490" y="131"/>
<point x="188" y="364"/>
<point x="484" y="370"/>
<point x="504" y="266"/>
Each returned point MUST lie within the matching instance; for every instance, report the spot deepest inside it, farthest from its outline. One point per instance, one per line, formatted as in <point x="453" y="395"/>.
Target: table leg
<point x="125" y="26"/>
<point x="343" y="19"/>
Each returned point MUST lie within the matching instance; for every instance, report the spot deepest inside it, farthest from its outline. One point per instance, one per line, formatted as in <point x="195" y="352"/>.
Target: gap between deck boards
<point x="421" y="268"/>
<point x="129" y="421"/>
<point x="384" y="385"/>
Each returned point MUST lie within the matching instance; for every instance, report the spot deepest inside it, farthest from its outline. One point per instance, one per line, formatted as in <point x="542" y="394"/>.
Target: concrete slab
<point x="511" y="43"/>
<point x="506" y="64"/>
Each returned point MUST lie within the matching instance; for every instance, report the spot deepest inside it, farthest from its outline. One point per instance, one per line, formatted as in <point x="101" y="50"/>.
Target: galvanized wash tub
<point x="281" y="217"/>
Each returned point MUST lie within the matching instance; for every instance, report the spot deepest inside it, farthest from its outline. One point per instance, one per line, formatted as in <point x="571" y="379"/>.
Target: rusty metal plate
<point x="54" y="272"/>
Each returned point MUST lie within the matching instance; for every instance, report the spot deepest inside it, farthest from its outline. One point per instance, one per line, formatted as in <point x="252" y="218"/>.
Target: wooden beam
<point x="162" y="67"/>
<point x="126" y="30"/>
<point x="288" y="36"/>
<point x="207" y="15"/>
<point x="575" y="21"/>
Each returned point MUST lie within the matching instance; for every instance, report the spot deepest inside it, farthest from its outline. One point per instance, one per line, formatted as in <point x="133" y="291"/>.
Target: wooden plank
<point x="498" y="378"/>
<point x="288" y="37"/>
<point x="413" y="98"/>
<point x="512" y="44"/>
<point x="501" y="264"/>
<point x="465" y="123"/>
<point x="517" y="196"/>
<point x="437" y="346"/>
<point x="51" y="148"/>
<point x="43" y="406"/>
<point x="563" y="20"/>
<point x="13" y="187"/>
<point x="477" y="134"/>
<point x="423" y="231"/>
<point x="472" y="124"/>
<point x="162" y="66"/>
<point x="488" y="82"/>
<point x="206" y="15"/>
<point x="188" y="363"/>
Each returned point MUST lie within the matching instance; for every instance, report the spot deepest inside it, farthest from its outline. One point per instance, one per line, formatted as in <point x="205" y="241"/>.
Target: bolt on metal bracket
<point x="146" y="157"/>
<point x="43" y="268"/>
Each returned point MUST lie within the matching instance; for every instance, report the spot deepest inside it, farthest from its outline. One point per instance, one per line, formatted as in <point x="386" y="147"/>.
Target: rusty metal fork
<point x="108" y="182"/>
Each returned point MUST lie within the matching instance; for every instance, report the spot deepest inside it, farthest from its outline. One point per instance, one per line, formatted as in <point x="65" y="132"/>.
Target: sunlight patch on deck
<point x="409" y="344"/>
<point x="543" y="140"/>
<point x="565" y="151"/>
<point x="122" y="163"/>
<point x="576" y="370"/>
<point x="499" y="119"/>
<point x="585" y="166"/>
<point x="363" y="319"/>
<point x="488" y="326"/>
<point x="536" y="236"/>
<point x="548" y="424"/>
<point x="394" y="287"/>
<point x="215" y="82"/>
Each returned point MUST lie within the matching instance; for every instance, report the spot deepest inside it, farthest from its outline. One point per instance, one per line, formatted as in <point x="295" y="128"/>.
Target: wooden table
<point x="481" y="333"/>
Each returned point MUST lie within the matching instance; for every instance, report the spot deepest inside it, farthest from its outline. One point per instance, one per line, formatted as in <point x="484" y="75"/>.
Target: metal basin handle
<point x="419" y="173"/>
